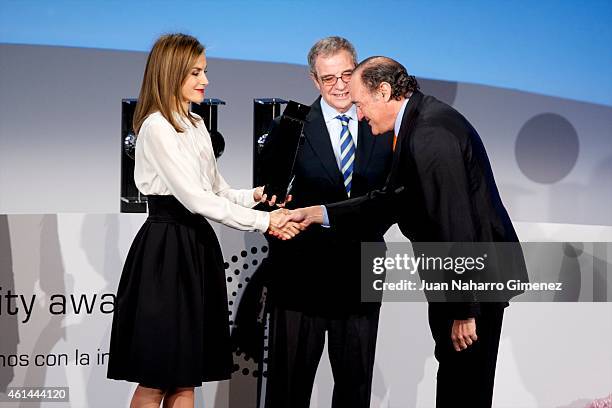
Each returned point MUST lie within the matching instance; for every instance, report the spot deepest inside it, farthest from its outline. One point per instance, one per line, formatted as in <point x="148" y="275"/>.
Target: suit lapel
<point x="365" y="146"/>
<point x="408" y="123"/>
<point x="317" y="136"/>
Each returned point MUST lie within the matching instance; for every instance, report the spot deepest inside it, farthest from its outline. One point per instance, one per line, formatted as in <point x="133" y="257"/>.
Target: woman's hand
<point x="280" y="227"/>
<point x="260" y="197"/>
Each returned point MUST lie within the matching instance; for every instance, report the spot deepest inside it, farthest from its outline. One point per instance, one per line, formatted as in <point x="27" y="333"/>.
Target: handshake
<point x="286" y="224"/>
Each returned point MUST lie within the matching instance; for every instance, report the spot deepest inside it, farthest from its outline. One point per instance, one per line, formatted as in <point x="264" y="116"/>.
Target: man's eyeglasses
<point x="330" y="80"/>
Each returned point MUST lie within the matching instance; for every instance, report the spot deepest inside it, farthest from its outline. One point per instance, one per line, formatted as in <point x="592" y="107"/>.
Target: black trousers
<point x="295" y="348"/>
<point x="465" y="378"/>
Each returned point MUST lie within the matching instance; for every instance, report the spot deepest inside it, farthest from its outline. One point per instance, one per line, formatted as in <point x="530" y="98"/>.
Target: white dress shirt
<point x="184" y="165"/>
<point x="399" y="117"/>
<point x="396" y="129"/>
<point x="334" y="127"/>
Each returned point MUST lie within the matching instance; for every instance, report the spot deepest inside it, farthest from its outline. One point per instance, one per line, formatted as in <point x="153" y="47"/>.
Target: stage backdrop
<point x="60" y="150"/>
<point x="63" y="243"/>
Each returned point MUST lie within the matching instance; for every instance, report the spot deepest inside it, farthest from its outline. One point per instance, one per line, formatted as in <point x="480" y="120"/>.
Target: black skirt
<point x="171" y="323"/>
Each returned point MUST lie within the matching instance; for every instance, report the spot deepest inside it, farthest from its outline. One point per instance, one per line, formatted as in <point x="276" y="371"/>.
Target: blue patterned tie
<point x="347" y="153"/>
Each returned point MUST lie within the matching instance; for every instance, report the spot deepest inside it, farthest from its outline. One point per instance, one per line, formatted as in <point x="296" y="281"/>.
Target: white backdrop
<point x="551" y="354"/>
<point x="59" y="156"/>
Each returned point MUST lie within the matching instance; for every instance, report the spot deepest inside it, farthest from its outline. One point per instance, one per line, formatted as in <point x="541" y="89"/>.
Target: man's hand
<point x="463" y="333"/>
<point x="260" y="197"/>
<point x="306" y="216"/>
<point x="288" y="223"/>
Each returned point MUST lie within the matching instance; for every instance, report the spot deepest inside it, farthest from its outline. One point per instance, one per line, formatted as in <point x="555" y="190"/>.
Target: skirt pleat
<point x="171" y="325"/>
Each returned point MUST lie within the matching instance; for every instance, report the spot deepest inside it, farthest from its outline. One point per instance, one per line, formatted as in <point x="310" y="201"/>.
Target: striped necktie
<point x="347" y="153"/>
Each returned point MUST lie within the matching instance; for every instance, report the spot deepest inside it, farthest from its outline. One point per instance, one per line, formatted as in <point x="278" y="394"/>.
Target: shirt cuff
<point x="325" y="217"/>
<point x="249" y="200"/>
<point x="262" y="221"/>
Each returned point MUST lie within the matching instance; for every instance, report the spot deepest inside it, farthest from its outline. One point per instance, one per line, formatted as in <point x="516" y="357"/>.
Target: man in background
<point x="315" y="280"/>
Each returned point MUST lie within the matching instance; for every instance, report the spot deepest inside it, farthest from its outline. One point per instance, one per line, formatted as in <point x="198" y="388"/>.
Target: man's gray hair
<point x="327" y="47"/>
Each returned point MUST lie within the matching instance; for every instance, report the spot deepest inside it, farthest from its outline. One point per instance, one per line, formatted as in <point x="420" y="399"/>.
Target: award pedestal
<point x="131" y="200"/>
<point x="264" y="112"/>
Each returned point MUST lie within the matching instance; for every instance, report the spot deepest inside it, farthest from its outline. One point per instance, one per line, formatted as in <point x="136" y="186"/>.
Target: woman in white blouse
<point x="170" y="329"/>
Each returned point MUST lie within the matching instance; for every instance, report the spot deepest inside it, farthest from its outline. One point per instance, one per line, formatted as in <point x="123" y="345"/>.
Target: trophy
<point x="284" y="149"/>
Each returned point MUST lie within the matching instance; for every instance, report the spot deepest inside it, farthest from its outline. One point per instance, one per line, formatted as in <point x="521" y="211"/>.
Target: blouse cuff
<point x="262" y="221"/>
<point x="249" y="200"/>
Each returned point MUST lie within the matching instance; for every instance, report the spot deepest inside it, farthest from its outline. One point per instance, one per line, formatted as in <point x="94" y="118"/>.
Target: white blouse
<point x="184" y="165"/>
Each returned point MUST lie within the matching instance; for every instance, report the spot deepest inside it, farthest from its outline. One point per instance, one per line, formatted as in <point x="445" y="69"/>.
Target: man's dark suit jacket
<point x="319" y="270"/>
<point x="441" y="188"/>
